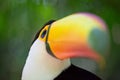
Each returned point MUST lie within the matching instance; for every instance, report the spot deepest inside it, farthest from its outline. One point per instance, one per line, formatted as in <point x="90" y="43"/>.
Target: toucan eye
<point x="43" y="33"/>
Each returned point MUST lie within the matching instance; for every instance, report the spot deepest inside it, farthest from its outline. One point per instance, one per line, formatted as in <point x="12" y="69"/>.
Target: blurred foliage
<point x="21" y="19"/>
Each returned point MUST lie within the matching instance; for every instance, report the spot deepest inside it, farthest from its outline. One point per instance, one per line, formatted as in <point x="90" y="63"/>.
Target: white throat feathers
<point x="42" y="66"/>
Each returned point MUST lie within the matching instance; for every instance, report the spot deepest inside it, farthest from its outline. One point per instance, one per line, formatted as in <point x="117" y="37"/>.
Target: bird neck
<point x="42" y="66"/>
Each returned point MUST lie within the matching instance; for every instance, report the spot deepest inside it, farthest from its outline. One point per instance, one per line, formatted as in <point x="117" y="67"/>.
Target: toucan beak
<point x="79" y="35"/>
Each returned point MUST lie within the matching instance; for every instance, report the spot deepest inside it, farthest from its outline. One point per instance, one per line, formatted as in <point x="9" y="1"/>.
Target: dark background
<point x="21" y="19"/>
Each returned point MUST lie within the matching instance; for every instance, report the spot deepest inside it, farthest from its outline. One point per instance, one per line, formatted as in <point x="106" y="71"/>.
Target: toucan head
<point x="81" y="35"/>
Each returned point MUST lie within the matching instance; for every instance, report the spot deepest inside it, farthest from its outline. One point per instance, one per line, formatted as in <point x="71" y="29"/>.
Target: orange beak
<point x="79" y="35"/>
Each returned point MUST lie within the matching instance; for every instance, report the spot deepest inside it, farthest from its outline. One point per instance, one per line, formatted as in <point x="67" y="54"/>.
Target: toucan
<point x="80" y="35"/>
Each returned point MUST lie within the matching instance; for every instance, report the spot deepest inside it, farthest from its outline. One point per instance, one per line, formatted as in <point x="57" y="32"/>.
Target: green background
<point x="21" y="19"/>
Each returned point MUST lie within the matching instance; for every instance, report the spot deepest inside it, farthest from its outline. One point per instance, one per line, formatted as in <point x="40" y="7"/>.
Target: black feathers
<point x="75" y="73"/>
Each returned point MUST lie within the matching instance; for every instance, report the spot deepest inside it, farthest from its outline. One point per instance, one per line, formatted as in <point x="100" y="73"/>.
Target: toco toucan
<point x="82" y="35"/>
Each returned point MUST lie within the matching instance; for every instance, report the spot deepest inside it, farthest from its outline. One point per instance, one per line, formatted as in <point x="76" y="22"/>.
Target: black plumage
<point x="75" y="73"/>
